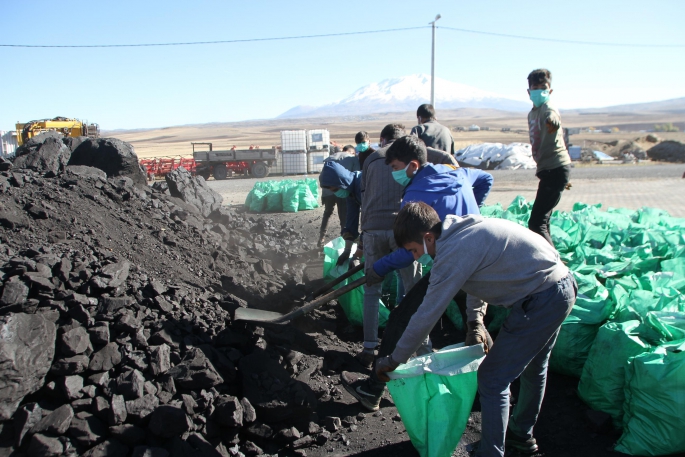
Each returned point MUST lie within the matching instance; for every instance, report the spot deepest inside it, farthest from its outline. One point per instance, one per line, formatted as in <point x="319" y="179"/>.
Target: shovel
<point x="329" y="285"/>
<point x="257" y="315"/>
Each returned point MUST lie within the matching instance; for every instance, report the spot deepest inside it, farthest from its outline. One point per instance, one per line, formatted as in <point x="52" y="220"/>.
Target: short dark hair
<point x="406" y="149"/>
<point x="426" y="111"/>
<point x="415" y="219"/>
<point x="360" y="137"/>
<point x="540" y="76"/>
<point x="347" y="147"/>
<point x="391" y="132"/>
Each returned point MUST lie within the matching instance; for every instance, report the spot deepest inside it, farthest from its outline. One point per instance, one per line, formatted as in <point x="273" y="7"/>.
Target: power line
<point x="588" y="43"/>
<point x="300" y="37"/>
<point x="192" y="43"/>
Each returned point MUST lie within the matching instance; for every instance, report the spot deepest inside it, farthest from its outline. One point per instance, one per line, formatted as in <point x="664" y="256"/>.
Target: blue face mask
<point x="401" y="176"/>
<point x="361" y="147"/>
<point x="425" y="259"/>
<point x="539" y="97"/>
<point x="342" y="193"/>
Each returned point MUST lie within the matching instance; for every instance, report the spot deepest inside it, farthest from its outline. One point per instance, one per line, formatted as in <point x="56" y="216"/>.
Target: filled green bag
<point x="274" y="199"/>
<point x="307" y="200"/>
<point x="602" y="382"/>
<point x="258" y="199"/>
<point x="579" y="330"/>
<point x="654" y="421"/>
<point x="291" y="198"/>
<point x="434" y="395"/>
<point x="668" y="326"/>
<point x="352" y="302"/>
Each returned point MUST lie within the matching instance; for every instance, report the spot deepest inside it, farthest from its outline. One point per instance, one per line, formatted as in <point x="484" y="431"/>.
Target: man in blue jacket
<point x="344" y="184"/>
<point x="449" y="190"/>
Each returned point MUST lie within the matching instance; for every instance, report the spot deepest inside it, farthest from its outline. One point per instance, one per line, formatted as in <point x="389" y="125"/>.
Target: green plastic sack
<point x="603" y="379"/>
<point x="352" y="302"/>
<point x="291" y="199"/>
<point x="434" y="395"/>
<point x="669" y="326"/>
<point x="258" y="199"/>
<point x="579" y="330"/>
<point x="655" y="400"/>
<point x="313" y="185"/>
<point x="274" y="199"/>
<point x="307" y="200"/>
<point x="454" y="315"/>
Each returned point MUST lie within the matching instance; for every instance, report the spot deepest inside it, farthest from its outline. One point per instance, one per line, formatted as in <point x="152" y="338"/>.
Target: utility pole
<point x="433" y="62"/>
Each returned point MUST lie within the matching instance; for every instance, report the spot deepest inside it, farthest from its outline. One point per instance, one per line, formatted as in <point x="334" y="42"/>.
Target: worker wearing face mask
<point x="345" y="184"/>
<point x="449" y="190"/>
<point x="433" y="134"/>
<point x="363" y="147"/>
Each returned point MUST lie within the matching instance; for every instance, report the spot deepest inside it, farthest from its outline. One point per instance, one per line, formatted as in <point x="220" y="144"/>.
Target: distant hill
<point x="674" y="105"/>
<point x="406" y="94"/>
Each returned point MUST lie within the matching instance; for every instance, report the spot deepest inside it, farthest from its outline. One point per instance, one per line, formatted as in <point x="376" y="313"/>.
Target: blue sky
<point x="164" y="86"/>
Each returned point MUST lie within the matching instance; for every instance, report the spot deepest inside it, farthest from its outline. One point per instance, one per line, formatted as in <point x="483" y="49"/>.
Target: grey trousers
<point x="522" y="350"/>
<point x="377" y="244"/>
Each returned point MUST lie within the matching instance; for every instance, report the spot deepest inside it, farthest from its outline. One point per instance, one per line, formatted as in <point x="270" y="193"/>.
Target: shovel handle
<point x="329" y="285"/>
<point x="311" y="306"/>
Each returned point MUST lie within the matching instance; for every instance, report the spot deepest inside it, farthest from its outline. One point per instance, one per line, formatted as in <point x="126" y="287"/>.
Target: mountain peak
<point x="406" y="94"/>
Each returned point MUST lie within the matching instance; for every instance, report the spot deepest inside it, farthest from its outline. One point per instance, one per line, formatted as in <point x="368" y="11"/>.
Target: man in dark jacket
<point x="350" y="161"/>
<point x="344" y="184"/>
<point x="448" y="190"/>
<point x="433" y="134"/>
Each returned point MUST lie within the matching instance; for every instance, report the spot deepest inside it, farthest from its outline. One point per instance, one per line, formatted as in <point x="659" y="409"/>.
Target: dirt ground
<point x="562" y="430"/>
<point x="175" y="141"/>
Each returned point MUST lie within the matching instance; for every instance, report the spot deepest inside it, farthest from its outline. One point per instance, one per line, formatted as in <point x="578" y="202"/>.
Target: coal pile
<point x="668" y="151"/>
<point x="116" y="315"/>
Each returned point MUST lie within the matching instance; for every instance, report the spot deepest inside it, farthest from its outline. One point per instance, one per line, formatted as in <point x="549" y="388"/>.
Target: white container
<point x="315" y="160"/>
<point x="318" y="140"/>
<point x="294" y="141"/>
<point x="8" y="143"/>
<point x="294" y="163"/>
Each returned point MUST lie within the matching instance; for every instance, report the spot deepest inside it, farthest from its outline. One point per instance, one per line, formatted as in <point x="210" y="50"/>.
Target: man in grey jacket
<point x="501" y="263"/>
<point x="433" y="134"/>
<point x="381" y="197"/>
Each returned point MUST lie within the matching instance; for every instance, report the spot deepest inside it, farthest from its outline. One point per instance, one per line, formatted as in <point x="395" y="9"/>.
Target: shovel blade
<point x="256" y="315"/>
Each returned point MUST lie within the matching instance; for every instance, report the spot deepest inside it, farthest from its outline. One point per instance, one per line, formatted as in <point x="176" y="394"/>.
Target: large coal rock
<point x="196" y="371"/>
<point x="27" y="346"/>
<point x="668" y="151"/>
<point x="194" y="190"/>
<point x="113" y="156"/>
<point x="49" y="157"/>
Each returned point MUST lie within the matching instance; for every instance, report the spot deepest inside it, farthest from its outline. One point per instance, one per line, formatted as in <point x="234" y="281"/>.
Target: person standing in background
<point x="433" y="134"/>
<point x="549" y="152"/>
<point x="363" y="147"/>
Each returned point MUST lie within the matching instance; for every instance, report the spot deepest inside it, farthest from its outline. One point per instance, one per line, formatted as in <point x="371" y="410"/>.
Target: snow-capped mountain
<point x="406" y="94"/>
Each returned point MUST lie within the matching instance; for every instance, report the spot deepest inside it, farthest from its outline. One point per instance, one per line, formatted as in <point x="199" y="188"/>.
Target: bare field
<point x="175" y="141"/>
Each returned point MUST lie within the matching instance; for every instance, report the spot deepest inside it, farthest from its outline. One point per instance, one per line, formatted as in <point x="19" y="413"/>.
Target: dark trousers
<point x="552" y="184"/>
<point x="399" y="320"/>
<point x="329" y="203"/>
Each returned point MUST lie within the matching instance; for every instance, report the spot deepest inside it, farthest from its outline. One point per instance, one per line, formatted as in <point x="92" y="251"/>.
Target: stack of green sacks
<point x="625" y="336"/>
<point x="287" y="195"/>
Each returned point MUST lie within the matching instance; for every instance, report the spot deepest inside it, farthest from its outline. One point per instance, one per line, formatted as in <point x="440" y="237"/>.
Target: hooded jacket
<point x="448" y="191"/>
<point x="334" y="174"/>
<point x="492" y="260"/>
<point x="347" y="160"/>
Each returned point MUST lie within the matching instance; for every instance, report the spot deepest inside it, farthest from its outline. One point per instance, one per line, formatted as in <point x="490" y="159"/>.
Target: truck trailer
<point x="224" y="163"/>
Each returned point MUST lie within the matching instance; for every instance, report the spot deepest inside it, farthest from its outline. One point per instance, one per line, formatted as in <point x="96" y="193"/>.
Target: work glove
<point x="346" y="253"/>
<point x="476" y="333"/>
<point x="383" y="366"/>
<point x="372" y="277"/>
<point x="354" y="263"/>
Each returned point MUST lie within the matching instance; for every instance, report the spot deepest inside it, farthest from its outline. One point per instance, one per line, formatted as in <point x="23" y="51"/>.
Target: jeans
<point x="522" y="349"/>
<point x="377" y="244"/>
<point x="552" y="184"/>
<point x="329" y="202"/>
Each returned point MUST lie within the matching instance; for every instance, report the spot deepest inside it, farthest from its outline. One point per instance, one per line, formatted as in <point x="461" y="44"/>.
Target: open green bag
<point x="434" y="395"/>
<point x="602" y="382"/>
<point x="352" y="302"/>
<point x="654" y="422"/>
